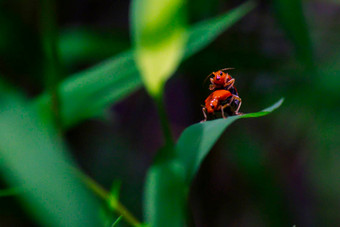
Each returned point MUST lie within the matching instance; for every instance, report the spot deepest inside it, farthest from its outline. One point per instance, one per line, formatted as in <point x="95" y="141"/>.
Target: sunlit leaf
<point x="34" y="159"/>
<point x="159" y="34"/>
<point x="197" y="140"/>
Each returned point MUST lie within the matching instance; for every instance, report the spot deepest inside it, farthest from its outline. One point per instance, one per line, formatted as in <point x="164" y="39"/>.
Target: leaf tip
<point x="274" y="106"/>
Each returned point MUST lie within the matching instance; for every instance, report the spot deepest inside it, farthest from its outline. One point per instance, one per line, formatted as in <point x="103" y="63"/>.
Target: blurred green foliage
<point x="34" y="159"/>
<point x="275" y="171"/>
<point x="159" y="32"/>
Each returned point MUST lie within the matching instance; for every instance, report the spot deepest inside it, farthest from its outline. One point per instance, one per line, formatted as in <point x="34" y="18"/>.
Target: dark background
<point x="279" y="170"/>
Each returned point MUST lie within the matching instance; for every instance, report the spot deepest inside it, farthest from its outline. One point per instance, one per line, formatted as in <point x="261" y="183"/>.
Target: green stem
<point x="52" y="71"/>
<point x="159" y="99"/>
<point x="105" y="195"/>
<point x="117" y="221"/>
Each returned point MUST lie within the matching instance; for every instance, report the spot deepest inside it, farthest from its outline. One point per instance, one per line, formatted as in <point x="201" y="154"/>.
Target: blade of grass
<point x="88" y="93"/>
<point x="34" y="159"/>
<point x="197" y="140"/>
<point x="165" y="192"/>
<point x="117" y="221"/>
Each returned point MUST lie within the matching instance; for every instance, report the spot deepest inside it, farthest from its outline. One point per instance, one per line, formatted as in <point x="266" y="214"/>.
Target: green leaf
<point x="197" y="140"/>
<point x="165" y="194"/>
<point x="34" y="159"/>
<point x="88" y="93"/>
<point x="159" y="34"/>
<point x="290" y="15"/>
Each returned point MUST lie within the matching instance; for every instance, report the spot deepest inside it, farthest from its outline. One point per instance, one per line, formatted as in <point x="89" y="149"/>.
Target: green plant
<point x="35" y="158"/>
<point x="170" y="176"/>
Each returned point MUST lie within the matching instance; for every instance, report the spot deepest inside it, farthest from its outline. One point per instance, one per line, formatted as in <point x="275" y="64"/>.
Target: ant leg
<point x="239" y="105"/>
<point x="230" y="83"/>
<point x="231" y="100"/>
<point x="204" y="114"/>
<point x="212" y="87"/>
<point x="222" y="110"/>
<point x="225" y="106"/>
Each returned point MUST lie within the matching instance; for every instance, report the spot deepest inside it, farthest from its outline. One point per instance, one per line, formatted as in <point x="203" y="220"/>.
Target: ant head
<point x="219" y="77"/>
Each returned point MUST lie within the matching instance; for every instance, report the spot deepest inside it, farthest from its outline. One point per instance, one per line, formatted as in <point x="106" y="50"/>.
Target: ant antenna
<point x="226" y="69"/>
<point x="205" y="80"/>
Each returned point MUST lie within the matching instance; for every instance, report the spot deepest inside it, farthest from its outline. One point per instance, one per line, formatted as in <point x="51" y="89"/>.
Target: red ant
<point x="219" y="100"/>
<point x="222" y="80"/>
